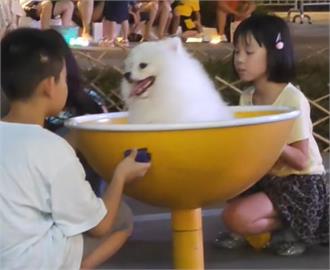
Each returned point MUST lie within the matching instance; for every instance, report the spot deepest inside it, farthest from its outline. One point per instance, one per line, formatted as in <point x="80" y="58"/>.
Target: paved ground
<point x="150" y="245"/>
<point x="150" y="248"/>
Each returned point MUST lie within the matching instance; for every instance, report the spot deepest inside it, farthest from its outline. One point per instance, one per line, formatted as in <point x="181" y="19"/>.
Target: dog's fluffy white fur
<point x="164" y="84"/>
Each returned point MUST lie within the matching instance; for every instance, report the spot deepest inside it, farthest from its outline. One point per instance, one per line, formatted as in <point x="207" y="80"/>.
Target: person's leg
<point x="97" y="251"/>
<point x="152" y="8"/>
<point x="125" y="29"/>
<point x="175" y="22"/>
<point x="221" y="21"/>
<point x="137" y="23"/>
<point x="108" y="33"/>
<point x="221" y="16"/>
<point x="168" y="23"/>
<point x="164" y="16"/>
<point x="111" y="13"/>
<point x="45" y="13"/>
<point x="198" y="21"/>
<point x="65" y="9"/>
<point x="98" y="11"/>
<point x="253" y="214"/>
<point x="85" y="8"/>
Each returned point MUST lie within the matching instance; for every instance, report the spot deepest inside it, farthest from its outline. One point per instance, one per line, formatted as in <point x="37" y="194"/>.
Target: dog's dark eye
<point x="143" y="65"/>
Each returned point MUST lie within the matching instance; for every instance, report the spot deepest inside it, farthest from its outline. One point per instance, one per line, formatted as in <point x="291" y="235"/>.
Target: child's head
<point x="263" y="47"/>
<point x="29" y="57"/>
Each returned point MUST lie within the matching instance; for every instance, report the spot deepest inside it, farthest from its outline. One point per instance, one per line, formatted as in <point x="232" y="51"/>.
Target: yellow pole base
<point x="187" y="239"/>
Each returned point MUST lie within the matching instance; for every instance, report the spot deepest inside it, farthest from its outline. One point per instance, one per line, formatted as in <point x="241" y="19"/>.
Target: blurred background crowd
<point x="109" y="22"/>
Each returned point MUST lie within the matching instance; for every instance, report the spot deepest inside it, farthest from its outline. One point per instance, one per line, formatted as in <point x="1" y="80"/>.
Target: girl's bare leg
<point x="45" y="14"/>
<point x="253" y="214"/>
<point x="125" y="29"/>
<point x="221" y="21"/>
<point x="164" y="14"/>
<point x="65" y="9"/>
<point x="98" y="12"/>
<point x="109" y="29"/>
<point x="85" y="8"/>
<point x="152" y="8"/>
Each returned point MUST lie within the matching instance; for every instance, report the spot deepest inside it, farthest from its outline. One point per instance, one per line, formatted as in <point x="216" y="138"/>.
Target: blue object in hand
<point x="142" y="155"/>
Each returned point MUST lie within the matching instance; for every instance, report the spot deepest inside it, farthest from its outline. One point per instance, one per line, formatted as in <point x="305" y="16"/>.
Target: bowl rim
<point x="79" y="122"/>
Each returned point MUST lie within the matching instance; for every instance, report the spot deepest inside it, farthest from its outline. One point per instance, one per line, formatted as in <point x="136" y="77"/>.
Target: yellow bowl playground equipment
<point x="192" y="164"/>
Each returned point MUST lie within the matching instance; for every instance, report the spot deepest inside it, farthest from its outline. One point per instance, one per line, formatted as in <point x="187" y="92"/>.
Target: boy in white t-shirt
<point x="45" y="202"/>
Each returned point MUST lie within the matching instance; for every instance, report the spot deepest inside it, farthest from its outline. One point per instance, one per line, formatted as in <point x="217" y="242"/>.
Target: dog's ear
<point x="174" y="44"/>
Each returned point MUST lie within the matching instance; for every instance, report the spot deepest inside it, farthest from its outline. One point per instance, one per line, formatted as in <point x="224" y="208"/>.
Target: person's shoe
<point x="229" y="240"/>
<point x="223" y="38"/>
<point x="106" y="43"/>
<point x="290" y="248"/>
<point x="122" y="43"/>
<point x="286" y="235"/>
<point x="219" y="39"/>
<point x="87" y="36"/>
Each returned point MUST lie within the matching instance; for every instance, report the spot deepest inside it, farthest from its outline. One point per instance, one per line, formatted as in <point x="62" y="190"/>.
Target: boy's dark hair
<point x="29" y="56"/>
<point x="268" y="30"/>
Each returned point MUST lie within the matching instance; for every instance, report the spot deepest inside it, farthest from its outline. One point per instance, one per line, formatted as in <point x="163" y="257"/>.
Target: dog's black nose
<point x="127" y="76"/>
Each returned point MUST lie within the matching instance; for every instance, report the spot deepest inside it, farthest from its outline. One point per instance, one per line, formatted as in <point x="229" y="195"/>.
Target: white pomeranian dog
<point x="163" y="83"/>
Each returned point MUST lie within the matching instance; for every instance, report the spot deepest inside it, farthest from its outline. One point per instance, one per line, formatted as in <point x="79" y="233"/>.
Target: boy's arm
<point x="111" y="198"/>
<point x="126" y="171"/>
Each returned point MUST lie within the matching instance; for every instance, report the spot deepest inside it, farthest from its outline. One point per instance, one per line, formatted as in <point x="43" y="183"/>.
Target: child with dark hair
<point x="292" y="200"/>
<point x="45" y="200"/>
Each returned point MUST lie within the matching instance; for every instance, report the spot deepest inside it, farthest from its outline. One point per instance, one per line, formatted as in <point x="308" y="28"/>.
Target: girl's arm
<point x="296" y="154"/>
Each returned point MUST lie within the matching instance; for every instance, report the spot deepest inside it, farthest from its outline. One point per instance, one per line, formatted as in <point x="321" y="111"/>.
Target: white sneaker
<point x="219" y="39"/>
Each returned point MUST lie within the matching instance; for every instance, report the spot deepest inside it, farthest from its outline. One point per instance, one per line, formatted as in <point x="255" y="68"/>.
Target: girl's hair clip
<point x="44" y="58"/>
<point x="279" y="44"/>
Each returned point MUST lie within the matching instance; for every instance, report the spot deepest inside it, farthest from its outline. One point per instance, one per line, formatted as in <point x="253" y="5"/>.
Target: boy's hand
<point x="142" y="155"/>
<point x="128" y="169"/>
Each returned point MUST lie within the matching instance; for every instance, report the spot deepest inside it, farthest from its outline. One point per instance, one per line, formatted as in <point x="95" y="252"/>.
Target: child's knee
<point x="233" y="219"/>
<point x="154" y="6"/>
<point x="64" y="6"/>
<point x="68" y="5"/>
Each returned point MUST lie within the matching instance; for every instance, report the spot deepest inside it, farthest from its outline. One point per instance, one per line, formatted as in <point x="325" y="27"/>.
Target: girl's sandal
<point x="123" y="43"/>
<point x="107" y="43"/>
